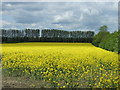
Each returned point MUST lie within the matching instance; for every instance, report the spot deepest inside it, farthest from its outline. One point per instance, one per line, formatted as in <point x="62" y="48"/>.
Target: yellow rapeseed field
<point x="62" y="65"/>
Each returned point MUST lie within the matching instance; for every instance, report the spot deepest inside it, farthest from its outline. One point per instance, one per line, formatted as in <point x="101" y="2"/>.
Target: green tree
<point x="103" y="28"/>
<point x="101" y="35"/>
<point x="110" y="42"/>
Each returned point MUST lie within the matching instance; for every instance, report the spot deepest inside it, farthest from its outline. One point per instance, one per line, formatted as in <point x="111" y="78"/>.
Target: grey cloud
<point x="70" y="16"/>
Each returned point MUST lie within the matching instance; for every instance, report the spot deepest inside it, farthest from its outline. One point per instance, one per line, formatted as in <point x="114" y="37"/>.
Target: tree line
<point x="12" y="35"/>
<point x="106" y="40"/>
<point x="45" y="35"/>
<point x="66" y="36"/>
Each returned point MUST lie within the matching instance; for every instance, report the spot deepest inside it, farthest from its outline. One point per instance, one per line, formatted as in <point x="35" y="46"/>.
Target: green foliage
<point x="106" y="40"/>
<point x="103" y="28"/>
<point x="45" y="35"/>
<point x="118" y="41"/>
<point x="100" y="37"/>
<point x="110" y="42"/>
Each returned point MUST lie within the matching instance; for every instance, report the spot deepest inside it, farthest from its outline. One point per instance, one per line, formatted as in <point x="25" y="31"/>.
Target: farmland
<point x="61" y="65"/>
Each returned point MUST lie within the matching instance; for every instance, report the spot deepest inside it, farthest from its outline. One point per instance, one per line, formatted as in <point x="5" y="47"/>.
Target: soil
<point x="21" y="82"/>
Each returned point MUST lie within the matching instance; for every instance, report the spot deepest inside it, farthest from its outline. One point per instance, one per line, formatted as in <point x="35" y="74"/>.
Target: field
<point x="61" y="65"/>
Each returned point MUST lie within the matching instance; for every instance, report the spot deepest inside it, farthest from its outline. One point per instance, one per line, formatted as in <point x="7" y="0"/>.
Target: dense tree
<point x="106" y="40"/>
<point x="67" y="36"/>
<point x="103" y="28"/>
<point x="110" y="42"/>
<point x="47" y="35"/>
<point x="101" y="35"/>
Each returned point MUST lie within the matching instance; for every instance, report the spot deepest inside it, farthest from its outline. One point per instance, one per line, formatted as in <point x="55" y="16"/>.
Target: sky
<point x="71" y="16"/>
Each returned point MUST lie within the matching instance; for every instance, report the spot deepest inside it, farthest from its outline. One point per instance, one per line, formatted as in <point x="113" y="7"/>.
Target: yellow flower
<point x="62" y="62"/>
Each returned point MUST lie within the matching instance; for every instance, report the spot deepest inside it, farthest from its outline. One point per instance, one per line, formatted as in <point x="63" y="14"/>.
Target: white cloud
<point x="81" y="17"/>
<point x="33" y="24"/>
<point x="5" y="22"/>
<point x="68" y="16"/>
<point x="65" y="16"/>
<point x="8" y="5"/>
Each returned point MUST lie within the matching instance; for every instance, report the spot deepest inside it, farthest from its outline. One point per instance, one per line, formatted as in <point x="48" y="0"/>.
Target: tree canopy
<point x="107" y="40"/>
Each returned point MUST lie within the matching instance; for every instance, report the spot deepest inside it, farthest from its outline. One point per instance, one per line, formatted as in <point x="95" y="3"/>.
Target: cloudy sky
<point x="60" y="15"/>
